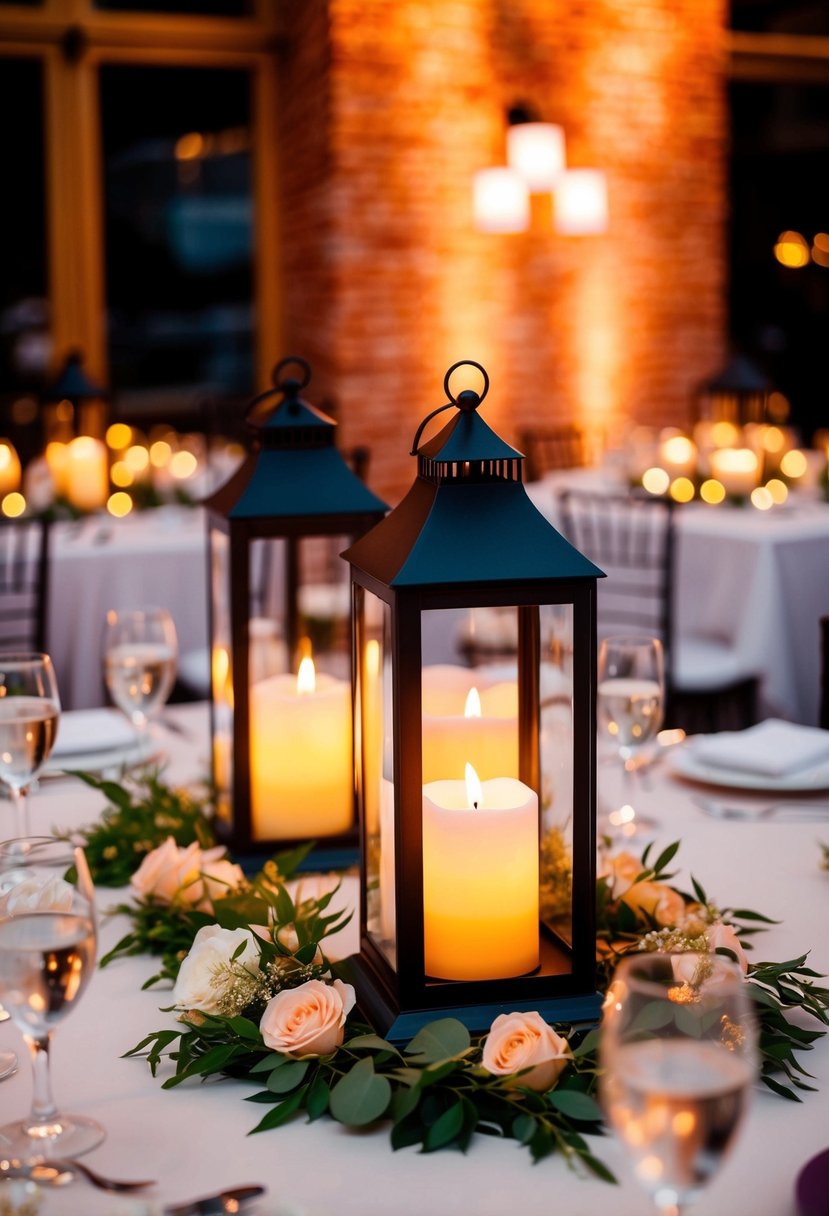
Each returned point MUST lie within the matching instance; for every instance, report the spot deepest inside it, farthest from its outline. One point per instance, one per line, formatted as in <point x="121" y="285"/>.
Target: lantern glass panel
<point x="324" y="603"/>
<point x="221" y="671"/>
<point x="556" y="760"/>
<point x="375" y="766"/>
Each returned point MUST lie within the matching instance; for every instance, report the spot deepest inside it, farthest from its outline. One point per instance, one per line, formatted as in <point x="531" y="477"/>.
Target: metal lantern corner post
<point x="474" y="659"/>
<point x="279" y="601"/>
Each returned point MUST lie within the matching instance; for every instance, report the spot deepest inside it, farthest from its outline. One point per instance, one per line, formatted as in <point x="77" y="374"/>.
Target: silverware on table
<point x="805" y="812"/>
<point x="235" y="1199"/>
<point x="60" y="1172"/>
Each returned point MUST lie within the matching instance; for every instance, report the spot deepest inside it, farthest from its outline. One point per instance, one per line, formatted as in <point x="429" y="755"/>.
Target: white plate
<point x="81" y="731"/>
<point x="111" y="761"/>
<point x="686" y="764"/>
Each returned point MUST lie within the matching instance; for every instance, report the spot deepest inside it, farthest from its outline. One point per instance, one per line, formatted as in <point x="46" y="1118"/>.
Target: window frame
<point x="72" y="39"/>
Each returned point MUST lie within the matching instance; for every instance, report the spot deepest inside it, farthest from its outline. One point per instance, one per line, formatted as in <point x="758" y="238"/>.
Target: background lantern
<point x="474" y="653"/>
<point x="279" y="629"/>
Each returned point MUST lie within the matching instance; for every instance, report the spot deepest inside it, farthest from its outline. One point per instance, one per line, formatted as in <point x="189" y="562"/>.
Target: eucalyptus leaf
<point x="283" y="1080"/>
<point x="361" y="1096"/>
<point x="575" y="1105"/>
<point x="440" y="1040"/>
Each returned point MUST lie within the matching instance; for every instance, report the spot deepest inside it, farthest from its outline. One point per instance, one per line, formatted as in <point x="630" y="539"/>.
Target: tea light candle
<point x="301" y="782"/>
<point x="9" y="468"/>
<point x="737" y="470"/>
<point x="462" y="723"/>
<point x="87" y="473"/>
<point x="678" y="456"/>
<point x="480" y="878"/>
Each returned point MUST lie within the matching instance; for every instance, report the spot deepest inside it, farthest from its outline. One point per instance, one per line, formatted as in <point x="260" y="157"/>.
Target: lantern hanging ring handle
<point x="283" y="386"/>
<point x="472" y="399"/>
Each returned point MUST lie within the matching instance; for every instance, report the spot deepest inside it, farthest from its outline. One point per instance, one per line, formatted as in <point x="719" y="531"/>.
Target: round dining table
<point x="195" y="1139"/>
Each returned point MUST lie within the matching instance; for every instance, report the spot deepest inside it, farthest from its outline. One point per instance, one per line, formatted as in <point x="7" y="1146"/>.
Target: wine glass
<point x="678" y="1051"/>
<point x="47" y="955"/>
<point x="631" y="693"/>
<point x="140" y="651"/>
<point x="29" y="711"/>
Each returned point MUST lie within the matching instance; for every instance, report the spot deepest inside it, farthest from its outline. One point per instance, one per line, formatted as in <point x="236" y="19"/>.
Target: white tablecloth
<point x="194" y="1139"/>
<point x="154" y="558"/>
<point x="757" y="580"/>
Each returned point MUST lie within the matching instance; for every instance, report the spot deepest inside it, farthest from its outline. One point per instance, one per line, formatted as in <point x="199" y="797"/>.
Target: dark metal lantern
<point x="464" y="591"/>
<point x="282" y="753"/>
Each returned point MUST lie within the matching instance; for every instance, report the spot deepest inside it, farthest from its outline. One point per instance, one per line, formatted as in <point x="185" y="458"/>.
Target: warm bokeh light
<point x="773" y="439"/>
<point x="778" y="489"/>
<point x="183" y="465"/>
<point x="137" y="458"/>
<point x="121" y="474"/>
<point x="778" y="406"/>
<point x="682" y="489"/>
<point x="820" y="249"/>
<point x="64" y="411"/>
<point x="655" y="480"/>
<point x="118" y="436"/>
<point x="679" y="448"/>
<point x="24" y="410"/>
<point x="793" y="464"/>
<point x="712" y="491"/>
<point x="581" y="207"/>
<point x="9" y="467"/>
<point x="14" y="505"/>
<point x="761" y="498"/>
<point x="160" y="453"/>
<point x="535" y="150"/>
<point x="190" y="146"/>
<point x="119" y="504"/>
<point x="724" y="434"/>
<point x="792" y="249"/>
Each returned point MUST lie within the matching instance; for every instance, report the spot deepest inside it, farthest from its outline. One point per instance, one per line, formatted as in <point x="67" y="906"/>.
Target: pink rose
<point x="524" y="1040"/>
<point x="308" y="1020"/>
<point x="173" y="874"/>
<point x="656" y="899"/>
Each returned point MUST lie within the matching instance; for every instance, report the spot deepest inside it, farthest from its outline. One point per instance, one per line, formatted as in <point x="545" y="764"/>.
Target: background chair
<point x="633" y="541"/>
<point x="554" y="447"/>
<point x="24" y="583"/>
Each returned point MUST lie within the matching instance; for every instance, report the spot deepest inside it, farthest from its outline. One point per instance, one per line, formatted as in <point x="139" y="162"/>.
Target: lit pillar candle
<point x="300" y="755"/>
<point x="9" y="468"/>
<point x="480" y="878"/>
<point x="87" y="473"/>
<point x="461" y="723"/>
<point x="56" y="462"/>
<point x="737" y="470"/>
<point x="372" y="737"/>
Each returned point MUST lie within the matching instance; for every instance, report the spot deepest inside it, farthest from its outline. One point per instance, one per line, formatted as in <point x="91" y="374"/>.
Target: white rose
<point x="33" y="894"/>
<point x="211" y="952"/>
<point x="524" y="1040"/>
<point x="308" y="1020"/>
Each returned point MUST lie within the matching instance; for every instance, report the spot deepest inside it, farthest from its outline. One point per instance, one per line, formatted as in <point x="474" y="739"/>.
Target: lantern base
<point x="398" y="1025"/>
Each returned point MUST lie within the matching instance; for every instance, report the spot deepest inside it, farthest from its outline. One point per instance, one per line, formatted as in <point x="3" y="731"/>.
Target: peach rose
<point x="33" y="894"/>
<point x="308" y="1020"/>
<point x="191" y="875"/>
<point x="722" y="936"/>
<point x="655" y="899"/>
<point x="524" y="1040"/>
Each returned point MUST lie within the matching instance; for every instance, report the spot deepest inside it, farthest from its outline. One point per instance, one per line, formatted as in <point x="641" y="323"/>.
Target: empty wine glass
<point x="29" y="711"/>
<point x="47" y="955"/>
<point x="140" y="651"/>
<point x="678" y="1057"/>
<point x="631" y="691"/>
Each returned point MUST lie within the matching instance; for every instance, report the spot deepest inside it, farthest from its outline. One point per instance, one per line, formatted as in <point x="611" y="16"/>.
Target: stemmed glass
<point x="678" y="1057"/>
<point x="29" y="711"/>
<point x="631" y="693"/>
<point x="47" y="954"/>
<point x="140" y="651"/>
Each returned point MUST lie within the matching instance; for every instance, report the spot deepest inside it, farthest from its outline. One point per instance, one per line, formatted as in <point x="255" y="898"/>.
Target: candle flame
<point x="472" y="709"/>
<point x="474" y="792"/>
<point x="306" y="677"/>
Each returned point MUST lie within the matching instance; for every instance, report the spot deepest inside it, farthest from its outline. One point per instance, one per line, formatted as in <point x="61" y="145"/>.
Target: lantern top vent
<point x="467" y="449"/>
<point x="290" y="424"/>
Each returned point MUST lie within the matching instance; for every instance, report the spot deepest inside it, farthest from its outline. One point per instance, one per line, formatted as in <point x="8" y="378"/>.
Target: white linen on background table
<point x="195" y="1139"/>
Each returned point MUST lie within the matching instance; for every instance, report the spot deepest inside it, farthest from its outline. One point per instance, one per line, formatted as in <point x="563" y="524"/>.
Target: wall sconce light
<point x="536" y="164"/>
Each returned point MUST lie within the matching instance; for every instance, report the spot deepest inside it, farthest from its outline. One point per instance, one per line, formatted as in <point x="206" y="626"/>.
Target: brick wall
<point x="390" y="108"/>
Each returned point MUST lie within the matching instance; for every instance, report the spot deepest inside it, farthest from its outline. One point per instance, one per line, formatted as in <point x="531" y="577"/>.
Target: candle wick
<point x="475" y="805"/>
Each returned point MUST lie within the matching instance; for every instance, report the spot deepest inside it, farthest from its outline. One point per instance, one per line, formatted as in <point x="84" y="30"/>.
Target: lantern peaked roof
<point x="72" y="382"/>
<point x="740" y="375"/>
<point x="294" y="469"/>
<point x="467" y="518"/>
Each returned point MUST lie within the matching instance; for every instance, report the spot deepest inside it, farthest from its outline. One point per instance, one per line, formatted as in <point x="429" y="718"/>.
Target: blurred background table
<point x="758" y="580"/>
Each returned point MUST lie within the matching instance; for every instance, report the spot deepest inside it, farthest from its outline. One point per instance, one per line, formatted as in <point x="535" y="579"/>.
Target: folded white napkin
<point x="772" y="748"/>
<point x="92" y="730"/>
